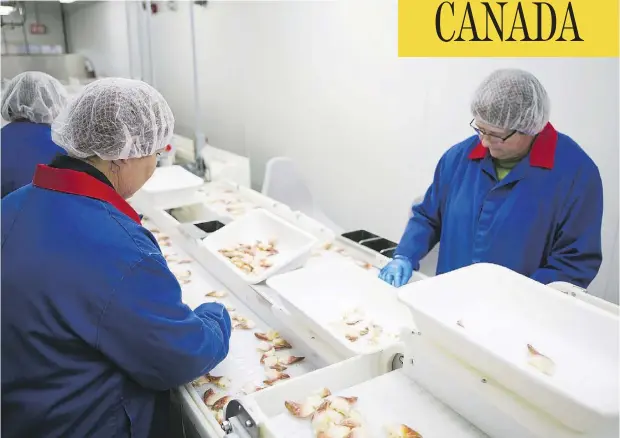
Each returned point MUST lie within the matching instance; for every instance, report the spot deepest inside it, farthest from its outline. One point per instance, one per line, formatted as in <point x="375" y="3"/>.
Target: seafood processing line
<point x="322" y="348"/>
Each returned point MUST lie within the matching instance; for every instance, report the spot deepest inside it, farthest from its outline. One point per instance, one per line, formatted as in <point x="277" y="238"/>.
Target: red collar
<point x="542" y="153"/>
<point x="81" y="184"/>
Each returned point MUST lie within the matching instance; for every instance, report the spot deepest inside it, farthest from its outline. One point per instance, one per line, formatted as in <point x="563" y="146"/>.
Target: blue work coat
<point x="543" y="220"/>
<point x="93" y="328"/>
<point x="24" y="145"/>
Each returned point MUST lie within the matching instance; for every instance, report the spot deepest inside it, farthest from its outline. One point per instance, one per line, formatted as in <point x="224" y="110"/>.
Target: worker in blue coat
<point x="517" y="194"/>
<point x="31" y="101"/>
<point x="94" y="332"/>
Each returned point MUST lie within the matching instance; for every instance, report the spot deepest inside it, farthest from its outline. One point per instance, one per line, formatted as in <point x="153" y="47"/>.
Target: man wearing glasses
<point x="518" y="194"/>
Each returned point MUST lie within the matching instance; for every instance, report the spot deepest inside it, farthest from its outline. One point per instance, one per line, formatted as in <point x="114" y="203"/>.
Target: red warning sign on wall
<point x="37" y="29"/>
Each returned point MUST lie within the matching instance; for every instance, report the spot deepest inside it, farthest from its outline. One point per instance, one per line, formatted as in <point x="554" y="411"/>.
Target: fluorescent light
<point x="66" y="1"/>
<point x="6" y="10"/>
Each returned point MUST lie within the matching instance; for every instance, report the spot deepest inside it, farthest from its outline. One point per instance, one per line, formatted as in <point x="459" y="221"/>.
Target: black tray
<point x="359" y="235"/>
<point x="389" y="253"/>
<point x="210" y="227"/>
<point x="380" y="244"/>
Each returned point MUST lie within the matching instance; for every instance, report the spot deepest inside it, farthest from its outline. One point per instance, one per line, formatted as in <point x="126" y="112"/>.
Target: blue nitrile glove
<point x="398" y="272"/>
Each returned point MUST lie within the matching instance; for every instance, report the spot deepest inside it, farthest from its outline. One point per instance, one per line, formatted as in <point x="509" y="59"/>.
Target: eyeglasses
<point x="482" y="132"/>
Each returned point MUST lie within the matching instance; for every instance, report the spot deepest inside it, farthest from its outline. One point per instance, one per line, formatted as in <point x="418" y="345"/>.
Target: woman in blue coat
<point x="518" y="194"/>
<point x="94" y="332"/>
<point x="31" y="102"/>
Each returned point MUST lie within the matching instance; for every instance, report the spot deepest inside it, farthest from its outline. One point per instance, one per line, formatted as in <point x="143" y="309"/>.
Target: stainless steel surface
<point x="398" y="361"/>
<point x="237" y="415"/>
<point x="62" y="67"/>
<point x="197" y="167"/>
<point x="237" y="430"/>
<point x="227" y="427"/>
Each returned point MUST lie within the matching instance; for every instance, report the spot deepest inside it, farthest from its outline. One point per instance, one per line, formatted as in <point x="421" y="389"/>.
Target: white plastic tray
<point x="322" y="293"/>
<point x="170" y="185"/>
<point x="502" y="312"/>
<point x="293" y="244"/>
<point x="390" y="399"/>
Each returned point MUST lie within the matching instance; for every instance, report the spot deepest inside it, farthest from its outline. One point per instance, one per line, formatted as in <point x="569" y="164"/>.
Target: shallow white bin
<point x="383" y="400"/>
<point x="171" y="185"/>
<point x="321" y="294"/>
<point x="501" y="312"/>
<point x="293" y="244"/>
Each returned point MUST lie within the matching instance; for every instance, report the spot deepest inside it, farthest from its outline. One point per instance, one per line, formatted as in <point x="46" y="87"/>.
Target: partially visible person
<point x="30" y="102"/>
<point x="517" y="194"/>
<point x="94" y="331"/>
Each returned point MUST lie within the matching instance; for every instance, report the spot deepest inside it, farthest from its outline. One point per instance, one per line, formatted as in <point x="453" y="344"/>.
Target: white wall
<point x="321" y="82"/>
<point x="98" y="30"/>
<point x="224" y="71"/>
<point x="43" y="12"/>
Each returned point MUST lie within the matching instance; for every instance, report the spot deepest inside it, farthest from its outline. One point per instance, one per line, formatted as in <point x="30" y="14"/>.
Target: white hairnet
<point x="33" y="96"/>
<point x="115" y="119"/>
<point x="512" y="99"/>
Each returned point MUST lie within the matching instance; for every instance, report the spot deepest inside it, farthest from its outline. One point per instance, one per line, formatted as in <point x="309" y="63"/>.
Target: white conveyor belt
<point x="242" y="365"/>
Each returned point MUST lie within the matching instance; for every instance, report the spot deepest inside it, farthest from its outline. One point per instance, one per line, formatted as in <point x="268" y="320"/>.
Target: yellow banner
<point x="552" y="28"/>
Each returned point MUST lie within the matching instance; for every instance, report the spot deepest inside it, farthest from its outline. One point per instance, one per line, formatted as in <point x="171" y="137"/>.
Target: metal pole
<point x="150" y="45"/>
<point x="141" y="45"/>
<point x="63" y="16"/>
<point x="26" y="39"/>
<point x="6" y="45"/>
<point x="24" y="30"/>
<point x="129" y="39"/>
<point x="199" y="137"/>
